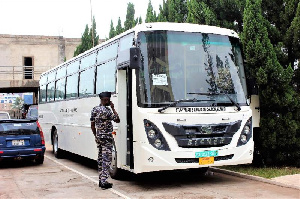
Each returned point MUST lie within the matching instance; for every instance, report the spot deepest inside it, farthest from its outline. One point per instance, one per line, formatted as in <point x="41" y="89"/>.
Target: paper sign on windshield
<point x="160" y="79"/>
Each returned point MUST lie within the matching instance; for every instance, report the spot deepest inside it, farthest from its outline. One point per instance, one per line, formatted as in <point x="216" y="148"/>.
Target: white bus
<point x="180" y="91"/>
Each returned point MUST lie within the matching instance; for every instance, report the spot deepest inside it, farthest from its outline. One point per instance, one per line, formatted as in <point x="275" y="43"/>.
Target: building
<point x="23" y="58"/>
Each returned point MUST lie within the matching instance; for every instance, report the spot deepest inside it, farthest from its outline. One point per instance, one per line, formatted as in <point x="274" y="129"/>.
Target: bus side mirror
<point x="135" y="58"/>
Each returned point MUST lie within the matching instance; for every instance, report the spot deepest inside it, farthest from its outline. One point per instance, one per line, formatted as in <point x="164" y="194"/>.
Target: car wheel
<point x="114" y="171"/>
<point x="39" y="160"/>
<point x="58" y="153"/>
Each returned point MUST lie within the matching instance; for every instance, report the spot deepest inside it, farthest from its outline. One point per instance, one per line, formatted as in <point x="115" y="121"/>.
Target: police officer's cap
<point x="104" y="94"/>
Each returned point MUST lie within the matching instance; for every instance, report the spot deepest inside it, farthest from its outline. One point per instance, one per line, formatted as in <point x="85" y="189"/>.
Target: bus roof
<point x="168" y="26"/>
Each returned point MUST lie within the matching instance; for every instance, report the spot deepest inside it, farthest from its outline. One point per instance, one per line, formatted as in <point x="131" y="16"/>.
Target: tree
<point x="277" y="140"/>
<point x="85" y="42"/>
<point x="291" y="37"/>
<point x="163" y="12"/>
<point x="177" y="11"/>
<point x="93" y="34"/>
<point x="200" y="13"/>
<point x="129" y="22"/>
<point x="112" y="31"/>
<point x="139" y="20"/>
<point x="119" y="28"/>
<point x="18" y="103"/>
<point x="89" y="39"/>
<point x="151" y="14"/>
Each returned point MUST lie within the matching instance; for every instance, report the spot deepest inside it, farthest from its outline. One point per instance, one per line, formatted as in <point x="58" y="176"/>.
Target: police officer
<point x="101" y="125"/>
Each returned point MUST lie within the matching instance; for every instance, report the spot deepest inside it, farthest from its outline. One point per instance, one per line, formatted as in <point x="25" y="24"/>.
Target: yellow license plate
<point x="206" y="160"/>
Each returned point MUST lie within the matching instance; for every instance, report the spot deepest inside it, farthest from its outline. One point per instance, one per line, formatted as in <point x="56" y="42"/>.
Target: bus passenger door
<point x="124" y="143"/>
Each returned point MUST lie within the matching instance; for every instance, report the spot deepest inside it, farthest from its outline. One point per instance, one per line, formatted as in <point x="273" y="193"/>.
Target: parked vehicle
<point x="21" y="139"/>
<point x="32" y="113"/>
<point x="4" y="115"/>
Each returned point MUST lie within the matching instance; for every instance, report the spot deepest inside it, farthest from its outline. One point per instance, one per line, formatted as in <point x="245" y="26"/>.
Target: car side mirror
<point x="135" y="58"/>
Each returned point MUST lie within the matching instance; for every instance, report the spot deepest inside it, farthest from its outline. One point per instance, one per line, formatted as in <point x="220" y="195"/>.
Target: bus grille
<point x="202" y="136"/>
<point x="196" y="160"/>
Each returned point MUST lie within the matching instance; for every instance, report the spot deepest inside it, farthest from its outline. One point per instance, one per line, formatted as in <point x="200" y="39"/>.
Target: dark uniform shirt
<point x="102" y="116"/>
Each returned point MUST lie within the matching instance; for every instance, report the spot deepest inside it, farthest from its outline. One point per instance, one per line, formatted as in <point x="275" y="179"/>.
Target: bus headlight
<point x="152" y="134"/>
<point x="155" y="137"/>
<point x="246" y="130"/>
<point x="246" y="133"/>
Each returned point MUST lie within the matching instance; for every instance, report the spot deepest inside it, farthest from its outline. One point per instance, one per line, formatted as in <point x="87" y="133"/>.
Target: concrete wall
<point x="46" y="52"/>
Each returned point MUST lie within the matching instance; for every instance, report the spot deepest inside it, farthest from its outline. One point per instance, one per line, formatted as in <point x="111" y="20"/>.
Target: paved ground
<point x="289" y="181"/>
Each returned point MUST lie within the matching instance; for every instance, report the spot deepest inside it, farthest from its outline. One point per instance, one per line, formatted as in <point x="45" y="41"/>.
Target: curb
<point x="256" y="178"/>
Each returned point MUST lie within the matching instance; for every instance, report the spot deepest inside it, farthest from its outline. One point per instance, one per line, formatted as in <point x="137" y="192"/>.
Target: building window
<point x="28" y="68"/>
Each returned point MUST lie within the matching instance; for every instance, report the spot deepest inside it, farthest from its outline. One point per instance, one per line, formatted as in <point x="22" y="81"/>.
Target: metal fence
<point x="22" y="72"/>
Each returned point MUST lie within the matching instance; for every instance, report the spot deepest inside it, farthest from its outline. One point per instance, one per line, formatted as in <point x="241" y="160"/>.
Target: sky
<point x="66" y="18"/>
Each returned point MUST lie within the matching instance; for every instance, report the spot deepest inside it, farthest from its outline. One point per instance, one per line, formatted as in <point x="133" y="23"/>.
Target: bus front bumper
<point x="150" y="159"/>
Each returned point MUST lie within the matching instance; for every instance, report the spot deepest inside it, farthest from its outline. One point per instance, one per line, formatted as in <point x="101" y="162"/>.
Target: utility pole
<point x="92" y="24"/>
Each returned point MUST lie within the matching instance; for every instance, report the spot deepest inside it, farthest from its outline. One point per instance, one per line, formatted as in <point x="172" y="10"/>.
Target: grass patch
<point x="271" y="172"/>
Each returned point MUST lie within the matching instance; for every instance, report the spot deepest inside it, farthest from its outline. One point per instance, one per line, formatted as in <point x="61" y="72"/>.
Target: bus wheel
<point x="56" y="151"/>
<point x="114" y="171"/>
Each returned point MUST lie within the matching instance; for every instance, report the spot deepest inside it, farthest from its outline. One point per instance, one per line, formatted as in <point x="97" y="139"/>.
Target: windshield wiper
<point x="178" y="101"/>
<point x="231" y="100"/>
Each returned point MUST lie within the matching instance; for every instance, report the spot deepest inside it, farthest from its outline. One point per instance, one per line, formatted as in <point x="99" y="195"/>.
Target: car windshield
<point x="181" y="65"/>
<point x="18" y="128"/>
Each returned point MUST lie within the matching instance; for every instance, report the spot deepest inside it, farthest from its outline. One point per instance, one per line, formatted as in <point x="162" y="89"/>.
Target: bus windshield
<point x="181" y="66"/>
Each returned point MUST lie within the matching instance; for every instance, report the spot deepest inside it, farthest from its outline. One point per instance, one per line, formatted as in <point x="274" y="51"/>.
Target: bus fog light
<point x="157" y="143"/>
<point x="244" y="138"/>
<point x="152" y="134"/>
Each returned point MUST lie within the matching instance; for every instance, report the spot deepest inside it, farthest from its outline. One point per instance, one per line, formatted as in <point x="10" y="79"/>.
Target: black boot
<point x="105" y="185"/>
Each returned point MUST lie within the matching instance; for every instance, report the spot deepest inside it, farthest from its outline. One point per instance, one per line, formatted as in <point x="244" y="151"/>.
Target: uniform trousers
<point x="104" y="144"/>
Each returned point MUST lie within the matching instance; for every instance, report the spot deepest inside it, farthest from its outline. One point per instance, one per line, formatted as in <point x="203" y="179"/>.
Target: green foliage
<point x="129" y="22"/>
<point x="119" y="28"/>
<point x="201" y="13"/>
<point x="112" y="31"/>
<point x="18" y="103"/>
<point x="151" y="14"/>
<point x="278" y="99"/>
<point x="163" y="12"/>
<point x="177" y="11"/>
<point x="292" y="37"/>
<point x="89" y="39"/>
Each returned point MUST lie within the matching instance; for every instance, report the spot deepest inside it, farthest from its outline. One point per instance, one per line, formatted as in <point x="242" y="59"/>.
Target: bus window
<point x="61" y="72"/>
<point x="50" y="92"/>
<point x="124" y="48"/>
<point x="51" y="76"/>
<point x="60" y="89"/>
<point x="72" y="85"/>
<point x="73" y="67"/>
<point x="43" y="93"/>
<point x="43" y="79"/>
<point x="106" y="80"/>
<point x="89" y="60"/>
<point x="107" y="53"/>
<point x="86" y="82"/>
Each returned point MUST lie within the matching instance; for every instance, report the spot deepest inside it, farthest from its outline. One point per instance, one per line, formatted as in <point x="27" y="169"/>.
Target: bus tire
<point x="58" y="153"/>
<point x="114" y="171"/>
